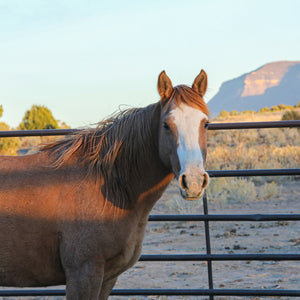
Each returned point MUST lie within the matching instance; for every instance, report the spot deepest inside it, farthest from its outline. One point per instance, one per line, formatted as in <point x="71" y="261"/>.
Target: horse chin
<point x="191" y="197"/>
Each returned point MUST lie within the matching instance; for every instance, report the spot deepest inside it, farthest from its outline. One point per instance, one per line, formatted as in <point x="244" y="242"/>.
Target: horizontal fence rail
<point x="218" y="257"/>
<point x="258" y="172"/>
<point x="225" y="218"/>
<point x="210" y="126"/>
<point x="158" y="292"/>
<point x="253" y="125"/>
<point x="206" y="218"/>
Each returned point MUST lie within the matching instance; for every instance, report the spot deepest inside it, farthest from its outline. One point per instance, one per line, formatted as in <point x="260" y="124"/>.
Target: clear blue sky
<point x="83" y="58"/>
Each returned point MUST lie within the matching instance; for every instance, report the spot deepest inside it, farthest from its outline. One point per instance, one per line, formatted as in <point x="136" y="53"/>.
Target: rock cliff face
<point x="271" y="84"/>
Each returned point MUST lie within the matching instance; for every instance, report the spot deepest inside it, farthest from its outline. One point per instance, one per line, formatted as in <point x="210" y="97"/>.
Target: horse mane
<point x="112" y="151"/>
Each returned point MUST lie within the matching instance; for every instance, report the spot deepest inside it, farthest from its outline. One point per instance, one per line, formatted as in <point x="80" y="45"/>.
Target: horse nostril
<point x="183" y="182"/>
<point x="205" y="180"/>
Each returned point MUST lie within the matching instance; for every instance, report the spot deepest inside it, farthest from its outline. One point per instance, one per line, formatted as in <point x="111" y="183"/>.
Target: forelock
<point x="186" y="95"/>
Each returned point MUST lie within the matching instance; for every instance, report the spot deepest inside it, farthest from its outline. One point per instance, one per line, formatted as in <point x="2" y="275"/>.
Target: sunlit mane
<point x="111" y="150"/>
<point x="187" y="95"/>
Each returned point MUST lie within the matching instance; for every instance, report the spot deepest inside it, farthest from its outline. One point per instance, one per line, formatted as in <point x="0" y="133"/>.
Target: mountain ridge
<point x="271" y="84"/>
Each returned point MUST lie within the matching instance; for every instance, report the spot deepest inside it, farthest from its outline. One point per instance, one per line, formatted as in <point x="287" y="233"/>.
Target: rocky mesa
<point x="272" y="84"/>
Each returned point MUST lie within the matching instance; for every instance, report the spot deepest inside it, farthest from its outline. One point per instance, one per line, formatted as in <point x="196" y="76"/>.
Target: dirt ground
<point x="226" y="237"/>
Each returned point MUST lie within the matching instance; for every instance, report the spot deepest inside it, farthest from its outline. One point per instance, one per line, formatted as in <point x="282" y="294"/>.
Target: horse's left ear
<point x="200" y="83"/>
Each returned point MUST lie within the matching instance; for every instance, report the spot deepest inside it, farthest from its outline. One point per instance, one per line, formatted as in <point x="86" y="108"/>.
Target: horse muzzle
<point x="193" y="184"/>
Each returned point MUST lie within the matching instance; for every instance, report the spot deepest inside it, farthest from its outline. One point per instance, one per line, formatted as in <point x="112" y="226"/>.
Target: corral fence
<point x="206" y="218"/>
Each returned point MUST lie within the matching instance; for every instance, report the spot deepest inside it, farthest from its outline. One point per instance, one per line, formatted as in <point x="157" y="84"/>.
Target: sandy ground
<point x="226" y="237"/>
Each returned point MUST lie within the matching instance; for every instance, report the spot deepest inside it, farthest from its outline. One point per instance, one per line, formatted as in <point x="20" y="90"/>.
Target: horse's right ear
<point x="164" y="86"/>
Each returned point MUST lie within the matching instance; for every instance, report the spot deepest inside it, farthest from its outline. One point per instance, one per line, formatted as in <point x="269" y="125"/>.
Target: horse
<point x="74" y="212"/>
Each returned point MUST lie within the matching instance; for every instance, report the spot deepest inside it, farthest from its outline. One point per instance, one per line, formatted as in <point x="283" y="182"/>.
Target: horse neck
<point x="141" y="177"/>
<point x="152" y="177"/>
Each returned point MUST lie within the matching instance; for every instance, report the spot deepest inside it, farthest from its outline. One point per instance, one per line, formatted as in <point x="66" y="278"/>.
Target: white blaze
<point x="187" y="121"/>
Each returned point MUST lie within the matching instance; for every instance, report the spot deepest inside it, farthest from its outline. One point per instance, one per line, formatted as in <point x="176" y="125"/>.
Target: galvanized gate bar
<point x="208" y="247"/>
<point x="205" y="292"/>
<point x="38" y="132"/>
<point x="158" y="292"/>
<point x="225" y="218"/>
<point x="220" y="257"/>
<point x="32" y="292"/>
<point x="210" y="126"/>
<point x="253" y="125"/>
<point x="253" y="172"/>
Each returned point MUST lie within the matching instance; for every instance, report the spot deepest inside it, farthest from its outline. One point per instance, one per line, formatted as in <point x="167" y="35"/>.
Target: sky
<point x="85" y="59"/>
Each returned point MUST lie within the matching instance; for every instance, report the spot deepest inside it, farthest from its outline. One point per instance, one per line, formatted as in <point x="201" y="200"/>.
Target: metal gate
<point x="206" y="218"/>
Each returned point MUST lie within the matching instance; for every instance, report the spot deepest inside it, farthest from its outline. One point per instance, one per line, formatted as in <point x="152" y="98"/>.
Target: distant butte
<point x="272" y="84"/>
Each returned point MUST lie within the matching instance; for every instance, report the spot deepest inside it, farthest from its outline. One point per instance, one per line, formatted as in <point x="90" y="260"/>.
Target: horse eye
<point x="166" y="126"/>
<point x="206" y="125"/>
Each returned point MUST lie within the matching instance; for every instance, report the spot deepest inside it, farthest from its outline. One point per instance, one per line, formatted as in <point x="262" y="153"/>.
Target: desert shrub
<point x="216" y="190"/>
<point x="274" y="108"/>
<point x="267" y="190"/>
<point x="263" y="110"/>
<point x="292" y="136"/>
<point x="234" y="113"/>
<point x="291" y="115"/>
<point x="281" y="106"/>
<point x="291" y="107"/>
<point x="241" y="190"/>
<point x="223" y="114"/>
<point x="231" y="190"/>
<point x="286" y="157"/>
<point x="245" y="112"/>
<point x="275" y="137"/>
<point x="8" y="145"/>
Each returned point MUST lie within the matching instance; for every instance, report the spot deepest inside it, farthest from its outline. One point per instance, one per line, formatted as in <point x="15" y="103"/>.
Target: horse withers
<point x="75" y="212"/>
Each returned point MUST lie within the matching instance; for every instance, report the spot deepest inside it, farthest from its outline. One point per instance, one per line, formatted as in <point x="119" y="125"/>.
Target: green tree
<point x="223" y="114"/>
<point x="291" y="115"/>
<point x="38" y="117"/>
<point x="8" y="145"/>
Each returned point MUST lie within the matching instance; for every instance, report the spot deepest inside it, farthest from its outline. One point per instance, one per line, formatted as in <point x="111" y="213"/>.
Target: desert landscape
<point x="73" y="66"/>
<point x="226" y="237"/>
<point x="238" y="149"/>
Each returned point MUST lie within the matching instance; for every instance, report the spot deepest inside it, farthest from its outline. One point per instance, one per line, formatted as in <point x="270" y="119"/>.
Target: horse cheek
<point x="203" y="142"/>
<point x="168" y="152"/>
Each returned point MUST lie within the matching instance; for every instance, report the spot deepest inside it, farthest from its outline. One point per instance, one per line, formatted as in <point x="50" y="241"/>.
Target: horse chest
<point x="130" y="251"/>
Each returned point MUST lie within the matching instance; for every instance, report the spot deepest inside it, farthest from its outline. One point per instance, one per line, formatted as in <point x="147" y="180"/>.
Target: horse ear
<point x="200" y="83"/>
<point x="164" y="86"/>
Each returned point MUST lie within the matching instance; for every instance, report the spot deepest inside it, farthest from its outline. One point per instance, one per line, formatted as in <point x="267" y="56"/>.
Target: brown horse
<point x="75" y="212"/>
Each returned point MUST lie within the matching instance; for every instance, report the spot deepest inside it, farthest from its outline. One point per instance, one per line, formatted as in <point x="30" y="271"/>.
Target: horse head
<point x="182" y="137"/>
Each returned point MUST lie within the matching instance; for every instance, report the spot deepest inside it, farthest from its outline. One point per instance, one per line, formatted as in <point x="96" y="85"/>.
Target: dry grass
<point x="254" y="117"/>
<point x="251" y="149"/>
